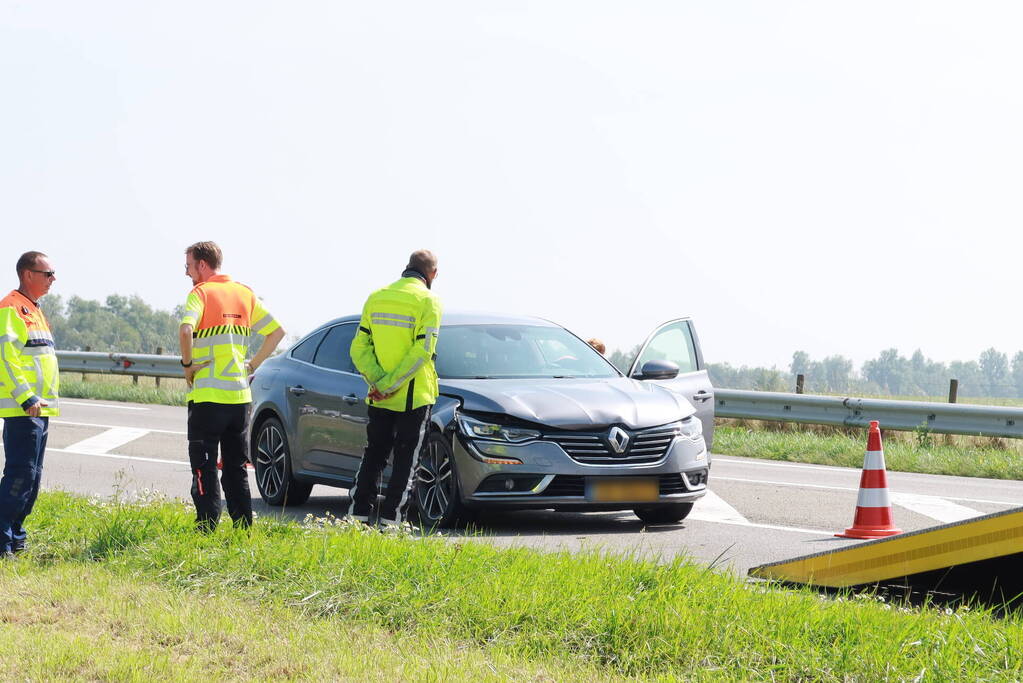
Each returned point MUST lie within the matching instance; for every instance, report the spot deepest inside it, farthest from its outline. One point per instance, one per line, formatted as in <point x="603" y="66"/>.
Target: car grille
<point x="594" y="448"/>
<point x="571" y="485"/>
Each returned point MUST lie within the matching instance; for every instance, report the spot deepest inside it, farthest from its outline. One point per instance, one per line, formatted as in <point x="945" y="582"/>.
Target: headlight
<point x="691" y="427"/>
<point x="477" y="429"/>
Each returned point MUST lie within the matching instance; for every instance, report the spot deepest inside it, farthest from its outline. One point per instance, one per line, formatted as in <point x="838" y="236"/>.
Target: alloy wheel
<point x="435" y="482"/>
<point x="271" y="452"/>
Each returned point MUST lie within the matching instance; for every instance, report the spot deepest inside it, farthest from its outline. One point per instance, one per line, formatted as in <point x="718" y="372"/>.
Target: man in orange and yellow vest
<point x="28" y="395"/>
<point x="220" y="317"/>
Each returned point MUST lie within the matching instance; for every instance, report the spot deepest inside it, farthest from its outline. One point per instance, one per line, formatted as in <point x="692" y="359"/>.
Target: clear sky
<point x="833" y="177"/>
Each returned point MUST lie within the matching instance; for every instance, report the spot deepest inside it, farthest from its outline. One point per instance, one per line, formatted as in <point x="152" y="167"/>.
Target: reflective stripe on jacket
<point x="396" y="344"/>
<point x="28" y="359"/>
<point x="223" y="315"/>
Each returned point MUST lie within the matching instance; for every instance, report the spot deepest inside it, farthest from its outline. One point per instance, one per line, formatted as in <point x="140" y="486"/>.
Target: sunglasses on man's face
<point x="47" y="273"/>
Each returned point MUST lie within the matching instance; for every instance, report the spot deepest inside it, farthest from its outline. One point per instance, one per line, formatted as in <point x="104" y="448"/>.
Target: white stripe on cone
<point x="874" y="460"/>
<point x="873" y="498"/>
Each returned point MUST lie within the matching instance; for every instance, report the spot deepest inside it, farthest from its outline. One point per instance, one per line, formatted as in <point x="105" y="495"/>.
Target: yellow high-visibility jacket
<point x="396" y="344"/>
<point x="28" y="360"/>
<point x="223" y="315"/>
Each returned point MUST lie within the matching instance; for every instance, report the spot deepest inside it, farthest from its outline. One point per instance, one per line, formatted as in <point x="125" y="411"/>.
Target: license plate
<point x="615" y="490"/>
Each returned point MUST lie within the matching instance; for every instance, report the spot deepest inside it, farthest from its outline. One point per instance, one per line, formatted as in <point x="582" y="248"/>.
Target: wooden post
<point x="799" y="384"/>
<point x="159" y="352"/>
<point x="953" y="390"/>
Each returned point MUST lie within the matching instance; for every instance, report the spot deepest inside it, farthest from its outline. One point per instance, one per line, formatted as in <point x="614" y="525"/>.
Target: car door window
<point x="335" y="351"/>
<point x="673" y="342"/>
<point x="306" y="349"/>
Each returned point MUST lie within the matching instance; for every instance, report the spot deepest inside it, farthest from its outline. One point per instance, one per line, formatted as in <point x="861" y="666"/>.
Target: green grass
<point x="526" y="612"/>
<point x="87" y="622"/>
<point x="904" y="451"/>
<point x="122" y="388"/>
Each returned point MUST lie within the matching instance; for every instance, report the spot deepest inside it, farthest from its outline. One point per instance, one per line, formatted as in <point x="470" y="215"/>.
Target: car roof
<point x="458" y="317"/>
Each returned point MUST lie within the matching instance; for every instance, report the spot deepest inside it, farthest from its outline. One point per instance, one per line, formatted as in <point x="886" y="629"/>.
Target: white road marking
<point x="936" y="508"/>
<point x="107" y="441"/>
<point x="712" y="508"/>
<point x="117" y="456"/>
<point x="1010" y="503"/>
<point x="93" y="424"/>
<point x="65" y="402"/>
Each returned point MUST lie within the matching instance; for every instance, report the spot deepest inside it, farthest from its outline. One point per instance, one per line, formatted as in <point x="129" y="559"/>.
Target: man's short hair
<point x="28" y="261"/>
<point x="597" y="344"/>
<point x="423" y="261"/>
<point x="208" y="252"/>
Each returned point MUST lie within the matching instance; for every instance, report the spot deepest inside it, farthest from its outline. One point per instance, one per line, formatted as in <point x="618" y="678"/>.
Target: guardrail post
<point x="87" y="348"/>
<point x="159" y="352"/>
<point x="799" y="384"/>
<point x="953" y="390"/>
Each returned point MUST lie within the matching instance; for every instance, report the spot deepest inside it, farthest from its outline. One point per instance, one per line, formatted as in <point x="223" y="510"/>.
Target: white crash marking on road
<point x="936" y="508"/>
<point x="117" y="456"/>
<point x="712" y="508"/>
<point x="786" y="465"/>
<point x="93" y="424"/>
<point x="107" y="441"/>
<point x="1010" y="503"/>
<point x="65" y="402"/>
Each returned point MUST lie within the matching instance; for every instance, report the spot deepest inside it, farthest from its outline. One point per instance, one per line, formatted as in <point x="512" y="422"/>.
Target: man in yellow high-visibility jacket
<point x="29" y="382"/>
<point x="394" y="350"/>
<point x="220" y="317"/>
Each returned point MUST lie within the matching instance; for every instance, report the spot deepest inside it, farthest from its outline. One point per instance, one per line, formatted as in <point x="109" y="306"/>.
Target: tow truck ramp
<point x="980" y="557"/>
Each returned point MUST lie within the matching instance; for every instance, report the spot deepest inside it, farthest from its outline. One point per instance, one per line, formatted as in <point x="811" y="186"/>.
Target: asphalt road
<point x="758" y="511"/>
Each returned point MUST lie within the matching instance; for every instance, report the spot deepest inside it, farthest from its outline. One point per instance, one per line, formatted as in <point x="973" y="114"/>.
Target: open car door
<point x="675" y="341"/>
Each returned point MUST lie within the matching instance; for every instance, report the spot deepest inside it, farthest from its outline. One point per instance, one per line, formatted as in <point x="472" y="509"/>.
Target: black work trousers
<point x="211" y="425"/>
<point x="404" y="433"/>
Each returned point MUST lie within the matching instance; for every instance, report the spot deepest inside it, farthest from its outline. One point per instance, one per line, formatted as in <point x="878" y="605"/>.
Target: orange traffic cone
<point x="873" y="508"/>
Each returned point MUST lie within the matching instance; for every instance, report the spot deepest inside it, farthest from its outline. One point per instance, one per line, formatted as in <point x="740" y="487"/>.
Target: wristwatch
<point x="184" y="364"/>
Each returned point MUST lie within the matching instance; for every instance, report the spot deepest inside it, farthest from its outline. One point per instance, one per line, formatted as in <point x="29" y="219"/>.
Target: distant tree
<point x="623" y="359"/>
<point x="1017" y="373"/>
<point x="889" y="370"/>
<point x="971" y="378"/>
<point x="800" y="364"/>
<point x="835" y="373"/>
<point x="995" y="367"/>
<point x="126" y="324"/>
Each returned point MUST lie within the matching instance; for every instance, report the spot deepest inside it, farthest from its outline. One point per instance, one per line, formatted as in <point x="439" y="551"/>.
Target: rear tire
<point x="271" y="459"/>
<point x="664" y="514"/>
<point x="437" y="493"/>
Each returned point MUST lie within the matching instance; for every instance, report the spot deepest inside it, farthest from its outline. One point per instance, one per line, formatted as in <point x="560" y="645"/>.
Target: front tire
<point x="437" y="494"/>
<point x="272" y="462"/>
<point x="664" y="514"/>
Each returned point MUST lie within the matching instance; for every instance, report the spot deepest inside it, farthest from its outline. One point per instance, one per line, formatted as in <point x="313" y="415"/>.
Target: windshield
<point x="514" y="351"/>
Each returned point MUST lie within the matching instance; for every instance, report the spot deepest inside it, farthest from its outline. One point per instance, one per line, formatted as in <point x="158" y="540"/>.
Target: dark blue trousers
<point x="24" y="445"/>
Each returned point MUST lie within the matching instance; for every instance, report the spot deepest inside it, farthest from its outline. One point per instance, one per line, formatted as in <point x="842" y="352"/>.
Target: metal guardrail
<point x="939" y="418"/>
<point x="138" y="364"/>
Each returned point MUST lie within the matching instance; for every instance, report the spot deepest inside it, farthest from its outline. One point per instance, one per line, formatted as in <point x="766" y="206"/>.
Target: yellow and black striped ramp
<point x="980" y="554"/>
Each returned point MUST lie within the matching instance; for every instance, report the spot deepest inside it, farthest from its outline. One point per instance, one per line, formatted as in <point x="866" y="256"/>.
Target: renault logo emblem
<point x="618" y="439"/>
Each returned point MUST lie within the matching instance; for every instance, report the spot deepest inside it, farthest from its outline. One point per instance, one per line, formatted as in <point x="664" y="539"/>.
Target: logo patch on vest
<point x="24" y="309"/>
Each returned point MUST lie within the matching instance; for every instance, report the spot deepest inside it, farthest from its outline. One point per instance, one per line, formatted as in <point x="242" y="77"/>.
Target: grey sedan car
<point x="529" y="417"/>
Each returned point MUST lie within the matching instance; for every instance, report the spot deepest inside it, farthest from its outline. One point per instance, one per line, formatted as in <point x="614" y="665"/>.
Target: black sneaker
<point x="18" y="547"/>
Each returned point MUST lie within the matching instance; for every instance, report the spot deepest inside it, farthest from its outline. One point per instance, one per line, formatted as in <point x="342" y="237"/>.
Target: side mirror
<point x="658" y="369"/>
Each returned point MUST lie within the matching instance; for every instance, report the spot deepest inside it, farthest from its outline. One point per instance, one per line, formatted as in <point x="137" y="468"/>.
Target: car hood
<point x="573" y="403"/>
